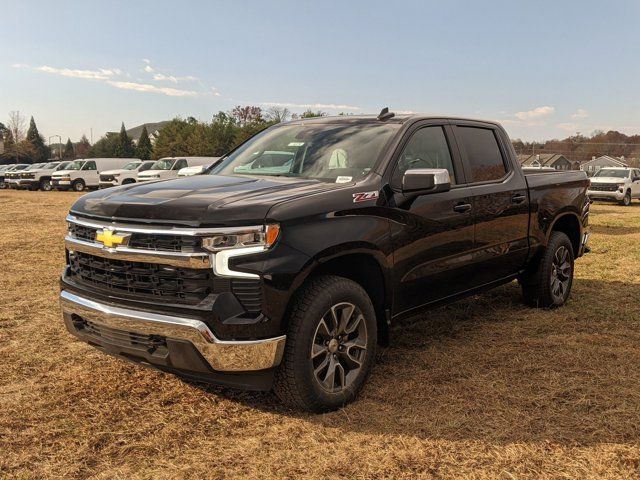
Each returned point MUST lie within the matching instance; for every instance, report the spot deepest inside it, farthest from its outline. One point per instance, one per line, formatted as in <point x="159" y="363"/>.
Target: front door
<point x="432" y="234"/>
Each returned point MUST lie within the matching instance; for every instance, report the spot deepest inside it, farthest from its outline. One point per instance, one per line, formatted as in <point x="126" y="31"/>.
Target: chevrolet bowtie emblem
<point x="110" y="239"/>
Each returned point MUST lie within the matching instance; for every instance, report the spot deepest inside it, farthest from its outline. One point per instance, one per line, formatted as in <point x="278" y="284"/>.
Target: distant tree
<point x="9" y="147"/>
<point x="278" y="114"/>
<point x="172" y="138"/>
<point x="144" y="149"/>
<point x="82" y="147"/>
<point x="69" y="153"/>
<point x="223" y="132"/>
<point x="311" y="114"/>
<point x="247" y="115"/>
<point x="105" y="147"/>
<point x="39" y="151"/>
<point x="17" y="125"/>
<point x="124" y="147"/>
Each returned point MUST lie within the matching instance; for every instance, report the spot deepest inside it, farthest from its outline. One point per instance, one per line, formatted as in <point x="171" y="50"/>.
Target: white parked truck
<point x="40" y="178"/>
<point x="85" y="173"/>
<point x="615" y="183"/>
<point x="168" y="167"/>
<point x="127" y="174"/>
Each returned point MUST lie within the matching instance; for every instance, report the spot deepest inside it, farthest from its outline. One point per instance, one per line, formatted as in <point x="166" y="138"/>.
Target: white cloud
<point x="538" y="112"/>
<point x="161" y="77"/>
<point x="215" y="92"/>
<point x="580" y="113"/>
<point x="145" y="87"/>
<point x="320" y="106"/>
<point x="148" y="68"/>
<point x="99" y="74"/>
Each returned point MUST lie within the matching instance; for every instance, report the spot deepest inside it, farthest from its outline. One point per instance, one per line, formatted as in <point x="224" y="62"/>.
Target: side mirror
<point x="421" y="181"/>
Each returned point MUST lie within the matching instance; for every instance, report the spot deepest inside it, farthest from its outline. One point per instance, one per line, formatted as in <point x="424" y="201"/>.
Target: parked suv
<point x="168" y="167"/>
<point x="286" y="274"/>
<point x="123" y="176"/>
<point x="40" y="178"/>
<point x="85" y="173"/>
<point x="615" y="183"/>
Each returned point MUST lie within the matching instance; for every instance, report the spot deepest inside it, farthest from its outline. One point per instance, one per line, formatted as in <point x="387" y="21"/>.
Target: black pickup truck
<point x="285" y="264"/>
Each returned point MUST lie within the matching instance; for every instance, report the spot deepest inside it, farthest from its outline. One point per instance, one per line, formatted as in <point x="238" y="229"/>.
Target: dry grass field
<point x="485" y="388"/>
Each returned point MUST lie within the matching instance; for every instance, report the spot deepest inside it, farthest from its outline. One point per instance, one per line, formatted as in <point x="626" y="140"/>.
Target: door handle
<point x="462" y="207"/>
<point x="518" y="198"/>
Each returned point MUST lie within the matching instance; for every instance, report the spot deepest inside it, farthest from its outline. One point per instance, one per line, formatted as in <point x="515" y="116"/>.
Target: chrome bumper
<point x="222" y="355"/>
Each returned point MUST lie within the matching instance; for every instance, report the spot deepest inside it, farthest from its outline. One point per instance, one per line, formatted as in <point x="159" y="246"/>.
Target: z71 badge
<point x="364" y="196"/>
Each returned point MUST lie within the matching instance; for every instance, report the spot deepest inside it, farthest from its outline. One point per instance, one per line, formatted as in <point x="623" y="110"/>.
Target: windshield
<point x="329" y="152"/>
<point x="612" y="172"/>
<point x="77" y="165"/>
<point x="131" y="166"/>
<point x="163" y="164"/>
<point x="62" y="166"/>
<point x="35" y="166"/>
<point x="50" y="166"/>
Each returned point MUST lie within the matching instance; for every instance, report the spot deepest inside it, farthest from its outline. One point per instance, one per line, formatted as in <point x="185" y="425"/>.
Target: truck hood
<point x="63" y="173"/>
<point x="148" y="173"/>
<point x="115" y="172"/>
<point x="201" y="200"/>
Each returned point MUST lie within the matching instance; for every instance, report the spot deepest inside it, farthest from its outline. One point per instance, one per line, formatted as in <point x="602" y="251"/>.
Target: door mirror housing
<point x="422" y="181"/>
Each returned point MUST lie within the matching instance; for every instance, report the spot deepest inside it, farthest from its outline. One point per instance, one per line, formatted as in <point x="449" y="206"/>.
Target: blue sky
<point x="544" y="68"/>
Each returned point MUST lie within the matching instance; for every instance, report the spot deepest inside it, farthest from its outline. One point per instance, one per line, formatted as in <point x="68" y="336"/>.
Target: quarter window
<point x="482" y="153"/>
<point x="427" y="148"/>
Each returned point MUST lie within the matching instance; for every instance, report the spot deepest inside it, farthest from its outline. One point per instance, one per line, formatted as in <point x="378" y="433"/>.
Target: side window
<point x="427" y="148"/>
<point x="89" y="166"/>
<point x="145" y="166"/>
<point x="180" y="164"/>
<point x="482" y="153"/>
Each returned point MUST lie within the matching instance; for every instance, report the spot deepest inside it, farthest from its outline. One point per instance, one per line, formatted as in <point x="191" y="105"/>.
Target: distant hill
<point x="153" y="129"/>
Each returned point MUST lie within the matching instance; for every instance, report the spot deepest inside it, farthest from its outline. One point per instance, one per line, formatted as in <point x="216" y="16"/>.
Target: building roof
<point x="612" y="160"/>
<point x="543" y="159"/>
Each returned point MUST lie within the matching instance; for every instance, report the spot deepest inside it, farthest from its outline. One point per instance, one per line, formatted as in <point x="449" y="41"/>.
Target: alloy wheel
<point x="339" y="347"/>
<point x="560" y="274"/>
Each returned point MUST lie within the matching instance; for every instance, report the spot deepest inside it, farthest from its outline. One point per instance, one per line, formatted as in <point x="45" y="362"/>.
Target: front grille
<point x="151" y="343"/>
<point x="107" y="178"/>
<point x="604" y="187"/>
<point x="147" y="241"/>
<point x="155" y="281"/>
<point x="170" y="243"/>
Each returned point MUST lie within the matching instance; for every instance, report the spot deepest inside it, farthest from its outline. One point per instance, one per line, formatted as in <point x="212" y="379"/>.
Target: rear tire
<point x="78" y="185"/>
<point x="550" y="285"/>
<point x="45" y="185"/>
<point x="626" y="201"/>
<point x="330" y="349"/>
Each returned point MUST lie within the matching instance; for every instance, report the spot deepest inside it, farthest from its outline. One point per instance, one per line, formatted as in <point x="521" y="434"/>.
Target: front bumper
<point x="27" y="183"/>
<point x="105" y="184"/>
<point x="184" y="340"/>
<point x="600" y="195"/>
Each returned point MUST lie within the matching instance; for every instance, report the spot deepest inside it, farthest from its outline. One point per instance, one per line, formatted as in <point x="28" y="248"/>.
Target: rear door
<point x="635" y="183"/>
<point x="500" y="201"/>
<point x="432" y="234"/>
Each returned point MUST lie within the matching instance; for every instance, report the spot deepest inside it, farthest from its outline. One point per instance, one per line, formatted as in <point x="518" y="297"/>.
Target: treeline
<point x="581" y="147"/>
<point x="191" y="137"/>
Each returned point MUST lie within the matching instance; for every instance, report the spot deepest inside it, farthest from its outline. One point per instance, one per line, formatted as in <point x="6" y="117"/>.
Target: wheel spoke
<point x="323" y="365"/>
<point x="323" y="330"/>
<point x="345" y="315"/>
<point x="354" y="324"/>
<point x="330" y="377"/>
<point x="317" y="350"/>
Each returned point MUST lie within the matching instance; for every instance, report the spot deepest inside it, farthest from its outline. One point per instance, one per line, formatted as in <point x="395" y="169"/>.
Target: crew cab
<point x="167" y="168"/>
<point x="286" y="273"/>
<point x="615" y="183"/>
<point x="125" y="175"/>
<point x="40" y="177"/>
<point x="12" y="178"/>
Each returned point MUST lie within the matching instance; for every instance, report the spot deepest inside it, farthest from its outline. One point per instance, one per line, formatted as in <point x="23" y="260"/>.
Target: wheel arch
<point x="364" y="266"/>
<point x="569" y="224"/>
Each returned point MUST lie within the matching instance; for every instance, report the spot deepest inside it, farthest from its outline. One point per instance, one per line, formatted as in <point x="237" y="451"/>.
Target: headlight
<point x="263" y="237"/>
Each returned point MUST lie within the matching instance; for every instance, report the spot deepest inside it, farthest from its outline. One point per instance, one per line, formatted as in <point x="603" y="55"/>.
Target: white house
<point x="596" y="163"/>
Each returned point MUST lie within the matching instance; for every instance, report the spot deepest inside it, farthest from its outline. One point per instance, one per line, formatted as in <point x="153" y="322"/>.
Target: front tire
<point x="78" y="185"/>
<point x="330" y="347"/>
<point x="626" y="200"/>
<point x="550" y="285"/>
<point x="45" y="185"/>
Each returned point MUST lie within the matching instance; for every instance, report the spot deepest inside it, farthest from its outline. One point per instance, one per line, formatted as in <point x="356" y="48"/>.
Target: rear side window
<point x="89" y="166"/>
<point x="145" y="166"/>
<point x="483" y="155"/>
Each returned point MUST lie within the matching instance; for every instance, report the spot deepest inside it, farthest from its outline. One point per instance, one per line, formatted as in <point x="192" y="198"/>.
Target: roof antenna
<point x="385" y="114"/>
